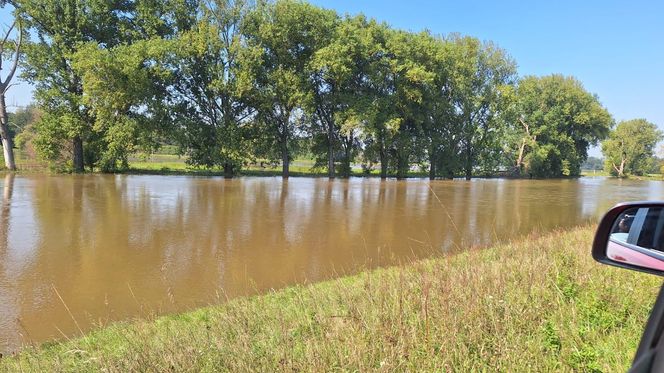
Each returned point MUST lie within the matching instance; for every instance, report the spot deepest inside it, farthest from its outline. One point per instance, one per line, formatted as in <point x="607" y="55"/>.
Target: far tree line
<point x="232" y="81"/>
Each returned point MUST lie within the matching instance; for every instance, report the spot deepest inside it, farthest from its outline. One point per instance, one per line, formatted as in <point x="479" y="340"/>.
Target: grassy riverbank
<point x="172" y="164"/>
<point x="539" y="304"/>
<point x="163" y="164"/>
<point x="654" y="177"/>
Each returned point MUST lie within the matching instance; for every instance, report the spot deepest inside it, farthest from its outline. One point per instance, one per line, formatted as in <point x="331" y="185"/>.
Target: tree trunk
<point x="8" y="153"/>
<point x="346" y="162"/>
<point x="330" y="149"/>
<point x="383" y="162"/>
<point x="469" y="164"/>
<point x="621" y="169"/>
<point x="402" y="166"/>
<point x="522" y="148"/>
<point x="7" y="141"/>
<point x="285" y="160"/>
<point x="432" y="164"/>
<point x="78" y="154"/>
<point x="519" y="160"/>
<point x="229" y="171"/>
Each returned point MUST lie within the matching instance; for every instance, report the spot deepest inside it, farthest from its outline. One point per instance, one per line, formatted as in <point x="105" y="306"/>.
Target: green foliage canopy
<point x="629" y="150"/>
<point x="556" y="121"/>
<point x="233" y="81"/>
<point x="281" y="41"/>
<point x="83" y="44"/>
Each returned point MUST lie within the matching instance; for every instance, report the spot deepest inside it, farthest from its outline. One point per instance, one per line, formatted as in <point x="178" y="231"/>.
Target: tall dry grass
<point x="540" y="304"/>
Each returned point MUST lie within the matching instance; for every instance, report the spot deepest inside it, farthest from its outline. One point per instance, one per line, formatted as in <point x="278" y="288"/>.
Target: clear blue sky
<point x="616" y="48"/>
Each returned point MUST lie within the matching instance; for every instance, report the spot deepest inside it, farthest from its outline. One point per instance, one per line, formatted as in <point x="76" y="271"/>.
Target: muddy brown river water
<point x="91" y="249"/>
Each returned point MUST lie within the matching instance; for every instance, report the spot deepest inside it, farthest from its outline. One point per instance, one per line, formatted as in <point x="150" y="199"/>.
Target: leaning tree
<point x="11" y="49"/>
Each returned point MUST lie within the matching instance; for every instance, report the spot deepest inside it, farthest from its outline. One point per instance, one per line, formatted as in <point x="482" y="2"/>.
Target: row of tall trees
<point x="231" y="81"/>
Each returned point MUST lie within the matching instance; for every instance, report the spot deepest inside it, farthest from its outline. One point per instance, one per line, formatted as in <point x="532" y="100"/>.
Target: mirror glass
<point x="637" y="238"/>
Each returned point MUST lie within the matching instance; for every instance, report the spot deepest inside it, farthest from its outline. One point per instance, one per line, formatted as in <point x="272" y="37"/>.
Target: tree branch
<point x="12" y="70"/>
<point x="9" y="86"/>
<point x="525" y="125"/>
<point x="6" y="37"/>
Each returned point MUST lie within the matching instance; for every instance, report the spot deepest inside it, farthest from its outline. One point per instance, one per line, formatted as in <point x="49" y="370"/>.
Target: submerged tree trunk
<point x="283" y="136"/>
<point x="345" y="168"/>
<point x="285" y="160"/>
<point x="620" y="170"/>
<point x="432" y="164"/>
<point x="78" y="154"/>
<point x="469" y="163"/>
<point x="383" y="162"/>
<point x="7" y="142"/>
<point x="402" y="157"/>
<point x="229" y="170"/>
<point x="402" y="165"/>
<point x="330" y="149"/>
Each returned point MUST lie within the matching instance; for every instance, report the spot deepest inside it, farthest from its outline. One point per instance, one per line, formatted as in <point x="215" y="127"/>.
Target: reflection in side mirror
<point x="632" y="236"/>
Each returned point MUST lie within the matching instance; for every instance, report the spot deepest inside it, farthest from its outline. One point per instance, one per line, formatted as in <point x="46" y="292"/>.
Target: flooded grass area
<point x="537" y="304"/>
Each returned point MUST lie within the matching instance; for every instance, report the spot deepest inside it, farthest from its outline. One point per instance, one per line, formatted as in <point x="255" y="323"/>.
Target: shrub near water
<point x="540" y="304"/>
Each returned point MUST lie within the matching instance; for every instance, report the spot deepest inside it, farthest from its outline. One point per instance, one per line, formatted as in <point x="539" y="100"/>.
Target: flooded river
<point x="80" y="251"/>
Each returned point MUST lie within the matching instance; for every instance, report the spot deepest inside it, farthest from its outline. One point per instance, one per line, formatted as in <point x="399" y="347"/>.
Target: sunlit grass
<point x="594" y="173"/>
<point x="173" y="164"/>
<point x="648" y="177"/>
<point x="539" y="304"/>
<point x="591" y="173"/>
<point x="24" y="163"/>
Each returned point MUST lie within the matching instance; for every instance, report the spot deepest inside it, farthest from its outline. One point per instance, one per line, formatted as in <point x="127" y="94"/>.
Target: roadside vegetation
<point x="536" y="304"/>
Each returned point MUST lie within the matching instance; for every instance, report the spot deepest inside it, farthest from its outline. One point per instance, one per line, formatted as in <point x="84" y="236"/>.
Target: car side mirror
<point x="631" y="235"/>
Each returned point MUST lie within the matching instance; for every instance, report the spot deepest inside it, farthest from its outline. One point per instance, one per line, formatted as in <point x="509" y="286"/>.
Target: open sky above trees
<point x="610" y="46"/>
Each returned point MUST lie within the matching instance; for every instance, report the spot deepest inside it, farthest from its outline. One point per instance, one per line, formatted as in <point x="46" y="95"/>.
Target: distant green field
<point x="173" y="164"/>
<point x="594" y="173"/>
<point x="591" y="173"/>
